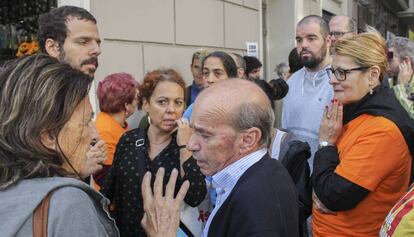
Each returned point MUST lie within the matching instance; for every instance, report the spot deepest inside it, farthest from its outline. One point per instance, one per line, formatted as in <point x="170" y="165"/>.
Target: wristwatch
<point x="324" y="144"/>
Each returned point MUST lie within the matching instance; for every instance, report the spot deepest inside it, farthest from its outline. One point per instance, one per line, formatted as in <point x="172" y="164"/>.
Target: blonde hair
<point x="367" y="49"/>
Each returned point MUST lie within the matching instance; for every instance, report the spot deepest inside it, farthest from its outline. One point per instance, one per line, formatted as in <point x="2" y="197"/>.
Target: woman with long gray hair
<point x="45" y="133"/>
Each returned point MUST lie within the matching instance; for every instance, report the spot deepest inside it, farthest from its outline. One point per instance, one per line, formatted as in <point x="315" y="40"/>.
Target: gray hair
<point x="239" y="60"/>
<point x="280" y="67"/>
<point x="249" y="115"/>
<point x="352" y="25"/>
<point x="38" y="95"/>
<point x="403" y="47"/>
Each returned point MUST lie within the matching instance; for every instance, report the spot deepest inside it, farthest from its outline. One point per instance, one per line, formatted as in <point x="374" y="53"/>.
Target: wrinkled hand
<point x="331" y="124"/>
<point x="318" y="205"/>
<point x="95" y="158"/>
<point x="162" y="213"/>
<point x="406" y="72"/>
<point x="184" y="131"/>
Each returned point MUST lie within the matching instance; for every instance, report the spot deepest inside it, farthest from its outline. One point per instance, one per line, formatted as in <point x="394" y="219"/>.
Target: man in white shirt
<point x="309" y="89"/>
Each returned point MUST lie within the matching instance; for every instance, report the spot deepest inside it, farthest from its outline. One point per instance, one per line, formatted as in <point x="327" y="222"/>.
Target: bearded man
<point x="309" y="89"/>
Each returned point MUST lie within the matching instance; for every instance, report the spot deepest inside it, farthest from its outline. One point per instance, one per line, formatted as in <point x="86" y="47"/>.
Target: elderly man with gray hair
<point x="255" y="194"/>
<point x="400" y="71"/>
<point x="231" y="132"/>
<point x="342" y="27"/>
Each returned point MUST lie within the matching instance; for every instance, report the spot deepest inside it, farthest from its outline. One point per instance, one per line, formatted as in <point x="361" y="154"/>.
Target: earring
<point x="371" y="91"/>
<point x="149" y="119"/>
<point x="126" y="113"/>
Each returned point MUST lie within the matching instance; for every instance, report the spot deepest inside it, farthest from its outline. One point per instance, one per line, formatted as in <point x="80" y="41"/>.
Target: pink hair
<point x="116" y="90"/>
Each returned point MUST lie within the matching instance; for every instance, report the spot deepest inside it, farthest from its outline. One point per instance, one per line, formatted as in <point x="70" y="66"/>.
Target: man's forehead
<point x="200" y="122"/>
<point x="82" y="29"/>
<point x="209" y="124"/>
<point x="308" y="29"/>
<point x="210" y="108"/>
<point x="74" y="23"/>
<point x="338" y="25"/>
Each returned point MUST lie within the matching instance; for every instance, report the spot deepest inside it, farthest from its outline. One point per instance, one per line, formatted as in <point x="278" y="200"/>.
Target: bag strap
<point x="40" y="217"/>
<point x="139" y="147"/>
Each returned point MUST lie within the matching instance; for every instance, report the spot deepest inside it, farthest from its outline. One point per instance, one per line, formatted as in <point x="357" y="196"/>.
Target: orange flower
<point x="28" y="48"/>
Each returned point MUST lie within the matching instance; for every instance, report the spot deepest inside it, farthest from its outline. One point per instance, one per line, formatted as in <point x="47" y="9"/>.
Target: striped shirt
<point x="225" y="180"/>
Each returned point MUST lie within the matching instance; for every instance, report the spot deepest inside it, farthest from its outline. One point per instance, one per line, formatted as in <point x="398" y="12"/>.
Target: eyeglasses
<point x="338" y="34"/>
<point x="340" y="74"/>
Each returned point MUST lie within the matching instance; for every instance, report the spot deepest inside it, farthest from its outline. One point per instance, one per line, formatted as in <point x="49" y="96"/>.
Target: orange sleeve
<point x="110" y="142"/>
<point x="375" y="154"/>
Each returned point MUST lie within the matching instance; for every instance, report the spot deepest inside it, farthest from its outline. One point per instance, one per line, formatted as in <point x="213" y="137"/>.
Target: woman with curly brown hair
<point x="161" y="144"/>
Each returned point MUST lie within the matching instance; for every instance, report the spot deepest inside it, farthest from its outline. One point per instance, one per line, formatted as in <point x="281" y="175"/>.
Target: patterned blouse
<point x="131" y="161"/>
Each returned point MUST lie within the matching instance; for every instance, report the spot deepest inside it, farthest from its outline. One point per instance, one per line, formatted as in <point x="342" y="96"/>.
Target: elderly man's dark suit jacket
<point x="263" y="203"/>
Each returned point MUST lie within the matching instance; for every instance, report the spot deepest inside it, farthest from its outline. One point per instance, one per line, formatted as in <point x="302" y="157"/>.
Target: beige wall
<point x="140" y="35"/>
<point x="281" y="33"/>
<point x="333" y="6"/>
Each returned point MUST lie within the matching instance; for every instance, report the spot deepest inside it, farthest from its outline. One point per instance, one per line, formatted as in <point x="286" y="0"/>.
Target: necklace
<point x="154" y="149"/>
<point x="161" y="143"/>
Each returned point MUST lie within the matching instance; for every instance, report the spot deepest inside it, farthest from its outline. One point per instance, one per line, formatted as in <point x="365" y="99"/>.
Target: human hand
<point x="184" y="131"/>
<point x="406" y="72"/>
<point x="95" y="158"/>
<point x="162" y="213"/>
<point x="331" y="123"/>
<point x="319" y="206"/>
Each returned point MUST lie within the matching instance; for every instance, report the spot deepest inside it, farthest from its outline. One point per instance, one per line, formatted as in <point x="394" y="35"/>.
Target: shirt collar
<point x="228" y="177"/>
<point x="196" y="87"/>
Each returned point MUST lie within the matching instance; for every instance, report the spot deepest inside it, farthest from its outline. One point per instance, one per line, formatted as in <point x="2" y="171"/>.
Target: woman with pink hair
<point x="118" y="99"/>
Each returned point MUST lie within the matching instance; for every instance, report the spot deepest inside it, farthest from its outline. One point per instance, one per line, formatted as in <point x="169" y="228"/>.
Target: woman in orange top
<point x="363" y="164"/>
<point x="118" y="100"/>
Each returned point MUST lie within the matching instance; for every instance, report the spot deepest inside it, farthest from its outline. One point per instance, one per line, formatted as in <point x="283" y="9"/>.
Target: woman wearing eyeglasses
<point x="363" y="164"/>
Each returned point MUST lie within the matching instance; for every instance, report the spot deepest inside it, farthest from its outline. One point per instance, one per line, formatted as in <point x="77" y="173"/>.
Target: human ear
<point x="47" y="140"/>
<point x="145" y="105"/>
<point x="374" y="74"/>
<point x="52" y="47"/>
<point x="127" y="107"/>
<point x="328" y="40"/>
<point x="250" y="140"/>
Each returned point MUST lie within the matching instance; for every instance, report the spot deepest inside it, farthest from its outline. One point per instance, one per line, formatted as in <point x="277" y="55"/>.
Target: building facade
<point x="140" y="35"/>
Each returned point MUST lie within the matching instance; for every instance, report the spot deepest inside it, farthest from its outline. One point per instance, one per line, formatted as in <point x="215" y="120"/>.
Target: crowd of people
<point x="207" y="159"/>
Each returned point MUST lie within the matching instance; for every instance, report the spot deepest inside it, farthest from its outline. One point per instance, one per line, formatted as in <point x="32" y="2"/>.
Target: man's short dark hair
<point x="227" y="61"/>
<point x="251" y="63"/>
<point x="52" y="25"/>
<point x="295" y="62"/>
<point x="324" y="26"/>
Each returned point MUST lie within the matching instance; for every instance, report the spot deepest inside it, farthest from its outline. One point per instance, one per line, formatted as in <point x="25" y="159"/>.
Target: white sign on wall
<point x="252" y="49"/>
